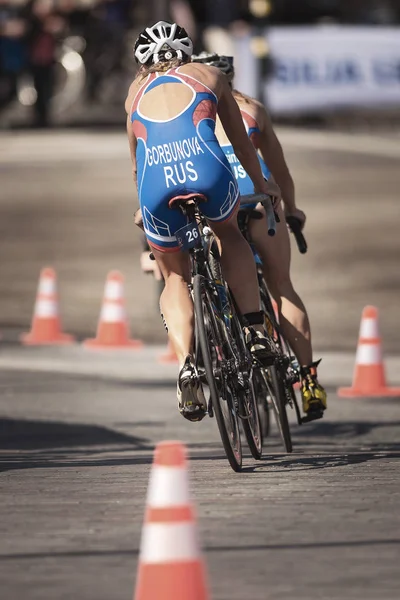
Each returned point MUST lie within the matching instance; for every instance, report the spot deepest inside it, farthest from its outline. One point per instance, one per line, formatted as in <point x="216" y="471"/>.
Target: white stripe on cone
<point x="168" y="486"/>
<point x="369" y="329"/>
<point x="112" y="313"/>
<point x="113" y="290"/>
<point x="368" y="354"/>
<point x="47" y="286"/>
<point x="168" y="542"/>
<point x="46" y="308"/>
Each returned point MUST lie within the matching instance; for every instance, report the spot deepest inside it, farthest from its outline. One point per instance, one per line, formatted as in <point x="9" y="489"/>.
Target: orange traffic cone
<point x="170" y="565"/>
<point x="46" y="325"/>
<point x="369" y="373"/>
<point x="169" y="356"/>
<point x="112" y="329"/>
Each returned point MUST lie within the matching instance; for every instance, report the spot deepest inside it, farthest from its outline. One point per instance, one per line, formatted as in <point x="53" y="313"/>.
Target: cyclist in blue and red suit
<point x="172" y="107"/>
<point x="274" y="252"/>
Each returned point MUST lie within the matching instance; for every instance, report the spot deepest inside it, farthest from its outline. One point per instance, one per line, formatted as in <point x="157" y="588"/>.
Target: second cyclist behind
<point x="274" y="252"/>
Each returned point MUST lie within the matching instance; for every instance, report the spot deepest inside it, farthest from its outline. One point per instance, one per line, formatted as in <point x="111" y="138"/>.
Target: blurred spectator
<point x="182" y="13"/>
<point x="304" y="12"/>
<point x="356" y="12"/>
<point x="30" y="31"/>
<point x="105" y="37"/>
<point x="370" y="12"/>
<point x="12" y="49"/>
<point x="45" y="25"/>
<point x="76" y="13"/>
<point x="214" y="20"/>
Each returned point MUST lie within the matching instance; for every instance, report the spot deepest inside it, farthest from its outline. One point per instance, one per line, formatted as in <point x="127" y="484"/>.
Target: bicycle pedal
<point x="313" y="417"/>
<point x="293" y="378"/>
<point x="194" y="417"/>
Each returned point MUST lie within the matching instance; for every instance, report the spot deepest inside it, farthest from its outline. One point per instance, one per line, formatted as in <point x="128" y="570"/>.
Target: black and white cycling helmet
<point x="223" y="63"/>
<point x="162" y="41"/>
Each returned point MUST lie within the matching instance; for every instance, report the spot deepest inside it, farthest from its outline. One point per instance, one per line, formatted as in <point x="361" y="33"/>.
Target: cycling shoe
<point x="191" y="400"/>
<point x="313" y="395"/>
<point x="261" y="347"/>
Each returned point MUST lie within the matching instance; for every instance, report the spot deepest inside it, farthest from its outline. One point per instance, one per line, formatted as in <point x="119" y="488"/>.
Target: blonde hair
<point x="160" y="67"/>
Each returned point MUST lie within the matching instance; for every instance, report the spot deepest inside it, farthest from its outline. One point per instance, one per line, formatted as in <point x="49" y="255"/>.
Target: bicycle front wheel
<point x="211" y="347"/>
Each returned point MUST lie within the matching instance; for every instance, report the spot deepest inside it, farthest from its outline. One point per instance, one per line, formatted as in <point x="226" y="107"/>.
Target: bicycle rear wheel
<point x="278" y="399"/>
<point x="251" y="421"/>
<point x="248" y="399"/>
<point x="261" y="391"/>
<point x="277" y="377"/>
<point x="211" y="347"/>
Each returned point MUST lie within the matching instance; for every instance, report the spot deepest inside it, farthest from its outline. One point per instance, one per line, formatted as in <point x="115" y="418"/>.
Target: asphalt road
<point x="77" y="430"/>
<point x="76" y="450"/>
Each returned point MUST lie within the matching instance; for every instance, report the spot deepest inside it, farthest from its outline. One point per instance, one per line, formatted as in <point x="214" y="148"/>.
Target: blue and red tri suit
<point x="180" y="156"/>
<point x="245" y="184"/>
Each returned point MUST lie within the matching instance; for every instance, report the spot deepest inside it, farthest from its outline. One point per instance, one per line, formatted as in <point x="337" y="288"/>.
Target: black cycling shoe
<point x="261" y="347"/>
<point x="191" y="400"/>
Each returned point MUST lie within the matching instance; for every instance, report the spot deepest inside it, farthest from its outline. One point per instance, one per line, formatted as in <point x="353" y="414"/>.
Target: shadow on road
<point x="306" y="463"/>
<point x="281" y="463"/>
<point x="341" y="429"/>
<point x="39" y="444"/>
<point x="18" y="434"/>
<point x="28" y="444"/>
<point x="355" y="437"/>
<point x="208" y="549"/>
<point x="332" y="444"/>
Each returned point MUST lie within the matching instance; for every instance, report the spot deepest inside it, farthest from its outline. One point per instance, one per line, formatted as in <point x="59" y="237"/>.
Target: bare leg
<point x="275" y="254"/>
<point x="175" y="302"/>
<point x="238" y="266"/>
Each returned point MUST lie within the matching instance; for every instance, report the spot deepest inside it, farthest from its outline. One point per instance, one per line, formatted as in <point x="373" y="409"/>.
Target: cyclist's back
<point x="173" y="115"/>
<point x="251" y="116"/>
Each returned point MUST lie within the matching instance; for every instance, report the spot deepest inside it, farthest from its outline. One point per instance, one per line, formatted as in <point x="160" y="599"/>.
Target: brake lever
<point x="295" y="227"/>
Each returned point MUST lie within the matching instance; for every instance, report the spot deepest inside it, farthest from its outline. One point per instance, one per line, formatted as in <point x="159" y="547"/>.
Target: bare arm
<point x="272" y="153"/>
<point x="132" y="148"/>
<point x="231" y="120"/>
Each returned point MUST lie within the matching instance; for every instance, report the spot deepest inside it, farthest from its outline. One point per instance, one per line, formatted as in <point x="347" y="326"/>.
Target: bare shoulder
<point x="253" y="107"/>
<point x="133" y="90"/>
<point x="209" y="76"/>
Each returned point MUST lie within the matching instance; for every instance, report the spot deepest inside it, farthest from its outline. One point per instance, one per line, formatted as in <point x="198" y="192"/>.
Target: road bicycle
<point x="275" y="385"/>
<point x="221" y="357"/>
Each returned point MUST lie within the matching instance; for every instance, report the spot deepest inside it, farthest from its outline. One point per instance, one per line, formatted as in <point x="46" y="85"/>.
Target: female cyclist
<point x="274" y="252"/>
<point x="172" y="106"/>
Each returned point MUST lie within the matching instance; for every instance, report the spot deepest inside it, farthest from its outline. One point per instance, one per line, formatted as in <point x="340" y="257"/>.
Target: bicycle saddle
<point x="176" y="201"/>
